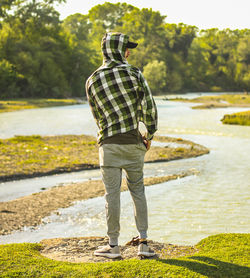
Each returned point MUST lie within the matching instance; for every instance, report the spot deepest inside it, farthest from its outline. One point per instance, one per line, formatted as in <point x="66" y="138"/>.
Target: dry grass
<point x="20" y="104"/>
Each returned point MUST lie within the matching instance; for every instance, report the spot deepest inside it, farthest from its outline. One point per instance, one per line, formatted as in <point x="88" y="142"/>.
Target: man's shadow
<point x="210" y="267"/>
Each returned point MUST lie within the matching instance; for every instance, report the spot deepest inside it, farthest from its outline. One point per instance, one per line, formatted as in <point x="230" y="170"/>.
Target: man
<point x="119" y="98"/>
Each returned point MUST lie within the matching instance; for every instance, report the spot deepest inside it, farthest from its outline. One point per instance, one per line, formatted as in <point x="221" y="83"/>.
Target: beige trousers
<point x="113" y="158"/>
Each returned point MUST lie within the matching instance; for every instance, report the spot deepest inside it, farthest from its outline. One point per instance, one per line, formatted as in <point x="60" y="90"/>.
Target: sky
<point x="204" y="14"/>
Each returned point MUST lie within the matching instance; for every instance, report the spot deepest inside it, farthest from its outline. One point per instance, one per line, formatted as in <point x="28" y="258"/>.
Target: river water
<point x="182" y="211"/>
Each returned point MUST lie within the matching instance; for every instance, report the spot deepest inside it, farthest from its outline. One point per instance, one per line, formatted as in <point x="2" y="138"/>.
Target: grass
<point x="19" y="104"/>
<point x="29" y="156"/>
<point x="233" y="99"/>
<point x="218" y="101"/>
<point x="240" y="118"/>
<point x="223" y="255"/>
<point x="223" y="101"/>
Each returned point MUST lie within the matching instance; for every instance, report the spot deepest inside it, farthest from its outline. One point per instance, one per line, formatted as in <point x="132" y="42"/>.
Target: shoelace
<point x="135" y="241"/>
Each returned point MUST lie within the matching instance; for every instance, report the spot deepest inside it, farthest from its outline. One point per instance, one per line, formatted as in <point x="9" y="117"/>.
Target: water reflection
<point x="75" y="119"/>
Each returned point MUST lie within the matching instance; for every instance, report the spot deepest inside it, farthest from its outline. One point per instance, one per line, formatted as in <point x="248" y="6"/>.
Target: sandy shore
<point x="30" y="210"/>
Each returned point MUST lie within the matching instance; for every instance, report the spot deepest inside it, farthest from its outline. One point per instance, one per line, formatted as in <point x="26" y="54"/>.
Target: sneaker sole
<point x="146" y="254"/>
<point x="110" y="256"/>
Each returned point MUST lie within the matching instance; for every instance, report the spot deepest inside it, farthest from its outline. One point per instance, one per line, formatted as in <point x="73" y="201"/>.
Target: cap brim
<point x="132" y="44"/>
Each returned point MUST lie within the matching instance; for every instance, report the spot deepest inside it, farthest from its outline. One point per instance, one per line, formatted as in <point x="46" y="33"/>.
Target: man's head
<point x="115" y="47"/>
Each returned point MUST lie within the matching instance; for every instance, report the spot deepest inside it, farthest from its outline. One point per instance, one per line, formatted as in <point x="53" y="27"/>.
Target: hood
<point x="113" y="49"/>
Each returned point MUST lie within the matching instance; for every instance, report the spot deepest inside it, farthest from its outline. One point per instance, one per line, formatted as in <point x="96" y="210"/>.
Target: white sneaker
<point x="144" y="250"/>
<point x="108" y="251"/>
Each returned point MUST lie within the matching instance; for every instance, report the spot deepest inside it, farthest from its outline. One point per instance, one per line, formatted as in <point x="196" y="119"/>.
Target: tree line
<point x="43" y="56"/>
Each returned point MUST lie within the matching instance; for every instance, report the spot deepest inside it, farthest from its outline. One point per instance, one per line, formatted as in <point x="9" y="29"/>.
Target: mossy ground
<point x="223" y="255"/>
<point x="20" y="104"/>
<point x="240" y="118"/>
<point x="29" y="156"/>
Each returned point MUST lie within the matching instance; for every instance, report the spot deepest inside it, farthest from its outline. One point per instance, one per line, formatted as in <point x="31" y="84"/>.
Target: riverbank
<point x="223" y="101"/>
<point x="222" y="255"/>
<point x="42" y="204"/>
<point x="20" y="104"/>
<point x="240" y="118"/>
<point x="218" y="101"/>
<point x="34" y="156"/>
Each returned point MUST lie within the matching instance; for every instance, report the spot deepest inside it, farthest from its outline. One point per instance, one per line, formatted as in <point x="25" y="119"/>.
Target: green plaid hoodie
<point x="118" y="94"/>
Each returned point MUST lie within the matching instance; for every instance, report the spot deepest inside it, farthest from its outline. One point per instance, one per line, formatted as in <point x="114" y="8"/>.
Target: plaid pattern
<point x="113" y="49"/>
<point x="118" y="94"/>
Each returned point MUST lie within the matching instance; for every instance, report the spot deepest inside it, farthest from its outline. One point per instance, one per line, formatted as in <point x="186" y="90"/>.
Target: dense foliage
<point x="42" y="56"/>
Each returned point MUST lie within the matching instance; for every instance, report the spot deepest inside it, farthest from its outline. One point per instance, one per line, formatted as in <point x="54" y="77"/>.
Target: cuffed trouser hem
<point x="113" y="241"/>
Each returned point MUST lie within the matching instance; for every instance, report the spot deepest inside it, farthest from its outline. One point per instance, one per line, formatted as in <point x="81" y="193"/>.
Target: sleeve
<point x="92" y="104"/>
<point x="148" y="114"/>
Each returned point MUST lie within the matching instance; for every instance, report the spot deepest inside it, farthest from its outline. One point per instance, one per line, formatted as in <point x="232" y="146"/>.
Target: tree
<point x="8" y="79"/>
<point x="32" y="43"/>
<point x="109" y="16"/>
<point x="104" y="18"/>
<point x="198" y="65"/>
<point x="41" y="56"/>
<point x="156" y="74"/>
<point x="243" y="63"/>
<point x="179" y="37"/>
<point x="81" y="62"/>
<point x="7" y="5"/>
<point x="243" y="50"/>
<point x="146" y="27"/>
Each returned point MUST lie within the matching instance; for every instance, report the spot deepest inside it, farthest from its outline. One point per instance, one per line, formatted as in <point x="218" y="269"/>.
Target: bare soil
<point x="81" y="249"/>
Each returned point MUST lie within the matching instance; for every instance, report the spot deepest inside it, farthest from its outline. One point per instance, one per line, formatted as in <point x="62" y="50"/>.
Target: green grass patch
<point x="20" y="104"/>
<point x="218" y="101"/>
<point x="29" y="156"/>
<point x="230" y="98"/>
<point x="223" y="255"/>
<point x="240" y="118"/>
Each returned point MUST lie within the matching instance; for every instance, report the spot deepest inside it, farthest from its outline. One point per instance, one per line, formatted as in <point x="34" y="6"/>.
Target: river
<point x="182" y="211"/>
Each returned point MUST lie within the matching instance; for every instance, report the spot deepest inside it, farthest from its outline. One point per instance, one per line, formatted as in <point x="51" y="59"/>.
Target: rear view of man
<point x="119" y="98"/>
